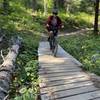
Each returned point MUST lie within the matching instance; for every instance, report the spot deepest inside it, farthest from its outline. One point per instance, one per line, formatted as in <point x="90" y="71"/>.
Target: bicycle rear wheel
<point x="51" y="42"/>
<point x="53" y="45"/>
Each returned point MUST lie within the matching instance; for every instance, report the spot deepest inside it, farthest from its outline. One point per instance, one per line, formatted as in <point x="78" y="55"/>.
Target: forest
<point x="22" y="23"/>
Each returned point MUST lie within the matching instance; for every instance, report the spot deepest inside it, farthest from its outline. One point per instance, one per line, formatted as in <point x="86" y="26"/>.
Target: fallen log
<point x="7" y="68"/>
<point x="1" y="38"/>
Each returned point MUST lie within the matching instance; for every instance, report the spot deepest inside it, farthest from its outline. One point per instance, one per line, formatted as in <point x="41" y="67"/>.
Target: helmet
<point x="55" y="11"/>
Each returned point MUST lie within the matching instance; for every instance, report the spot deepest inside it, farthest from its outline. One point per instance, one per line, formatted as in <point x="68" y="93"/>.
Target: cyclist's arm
<point x="48" y="21"/>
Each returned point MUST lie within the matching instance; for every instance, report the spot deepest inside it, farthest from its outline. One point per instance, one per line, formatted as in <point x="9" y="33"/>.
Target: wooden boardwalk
<point x="61" y="77"/>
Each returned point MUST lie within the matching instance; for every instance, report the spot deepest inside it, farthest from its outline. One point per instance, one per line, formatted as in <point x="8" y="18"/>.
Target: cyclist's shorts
<point x="55" y="33"/>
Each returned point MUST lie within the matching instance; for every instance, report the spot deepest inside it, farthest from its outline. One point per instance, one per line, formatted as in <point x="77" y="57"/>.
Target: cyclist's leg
<point x="55" y="35"/>
<point x="49" y="33"/>
<point x="55" y="46"/>
<point x="50" y="40"/>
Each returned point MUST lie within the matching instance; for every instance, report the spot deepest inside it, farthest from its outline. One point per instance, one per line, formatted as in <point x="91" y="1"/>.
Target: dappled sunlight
<point x="86" y="17"/>
<point x="50" y="59"/>
<point x="18" y="7"/>
<point x="37" y="13"/>
<point x="63" y="57"/>
<point x="20" y="19"/>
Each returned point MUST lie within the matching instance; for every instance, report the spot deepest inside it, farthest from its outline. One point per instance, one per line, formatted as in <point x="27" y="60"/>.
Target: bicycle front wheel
<point x="55" y="48"/>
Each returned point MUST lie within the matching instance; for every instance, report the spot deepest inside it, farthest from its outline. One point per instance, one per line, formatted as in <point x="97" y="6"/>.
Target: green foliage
<point x="27" y="95"/>
<point x="20" y="19"/>
<point x="86" y="6"/>
<point x="25" y="79"/>
<point x="50" y="4"/>
<point x="77" y="20"/>
<point x="22" y="22"/>
<point x="85" y="48"/>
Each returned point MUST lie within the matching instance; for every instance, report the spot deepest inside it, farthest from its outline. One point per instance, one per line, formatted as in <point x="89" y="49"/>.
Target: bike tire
<point x="55" y="48"/>
<point x="50" y="43"/>
<point x="53" y="45"/>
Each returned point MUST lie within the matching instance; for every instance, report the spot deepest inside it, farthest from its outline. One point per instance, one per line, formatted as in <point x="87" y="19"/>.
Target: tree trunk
<point x="34" y="4"/>
<point x="55" y="3"/>
<point x="67" y="8"/>
<point x="5" y="6"/>
<point x="61" y="3"/>
<point x="7" y="68"/>
<point x="96" y="17"/>
<point x="67" y="4"/>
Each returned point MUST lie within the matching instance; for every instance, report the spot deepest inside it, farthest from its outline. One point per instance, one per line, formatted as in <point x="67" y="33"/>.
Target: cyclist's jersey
<point x="53" y="21"/>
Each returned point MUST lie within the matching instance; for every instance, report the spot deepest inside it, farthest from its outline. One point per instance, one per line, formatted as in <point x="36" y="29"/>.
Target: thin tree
<point x="96" y="17"/>
<point x="34" y="4"/>
<point x="67" y="4"/>
<point x="45" y="7"/>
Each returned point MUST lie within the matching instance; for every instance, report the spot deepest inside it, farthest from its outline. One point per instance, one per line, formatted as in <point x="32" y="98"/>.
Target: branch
<point x="2" y="56"/>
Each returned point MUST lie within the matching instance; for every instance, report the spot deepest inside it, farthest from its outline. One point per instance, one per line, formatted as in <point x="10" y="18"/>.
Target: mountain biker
<point x="53" y="21"/>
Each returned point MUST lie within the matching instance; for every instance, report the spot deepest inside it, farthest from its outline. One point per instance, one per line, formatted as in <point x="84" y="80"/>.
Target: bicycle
<point x="53" y="41"/>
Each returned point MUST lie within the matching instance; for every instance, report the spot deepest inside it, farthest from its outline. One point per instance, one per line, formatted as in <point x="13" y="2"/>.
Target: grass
<point x="25" y="79"/>
<point x="77" y="21"/>
<point x="85" y="48"/>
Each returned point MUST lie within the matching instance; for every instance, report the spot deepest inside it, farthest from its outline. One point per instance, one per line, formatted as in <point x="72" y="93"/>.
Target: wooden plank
<point x="71" y="93"/>
<point x="56" y="63"/>
<point x="84" y="96"/>
<point x="65" y="64"/>
<point x="96" y="98"/>
<point x="61" y="81"/>
<point x="63" y="77"/>
<point x="59" y="64"/>
<point x="46" y="71"/>
<point x="69" y="72"/>
<point x="45" y="89"/>
<point x="48" y="62"/>
<point x="68" y="78"/>
<point x="63" y="74"/>
<point x="54" y="67"/>
<point x="58" y="68"/>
